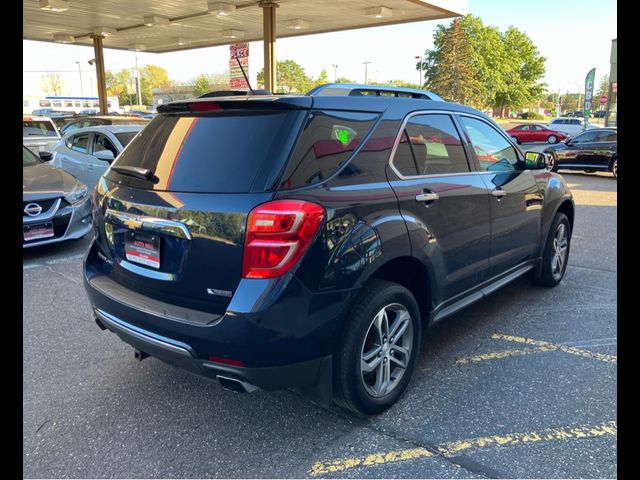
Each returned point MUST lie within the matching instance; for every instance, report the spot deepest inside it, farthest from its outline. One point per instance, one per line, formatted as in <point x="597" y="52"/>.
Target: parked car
<point x="39" y="133"/>
<point x="86" y="153"/>
<point x="94" y="120"/>
<point x="599" y="114"/>
<point x="55" y="205"/>
<point x="307" y="240"/>
<point x="591" y="151"/>
<point x="569" y="126"/>
<point x="535" y="133"/>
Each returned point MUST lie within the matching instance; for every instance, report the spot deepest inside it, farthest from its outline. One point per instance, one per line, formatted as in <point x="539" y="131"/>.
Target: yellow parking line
<point x="502" y="354"/>
<point x="454" y="448"/>
<point x="556" y="346"/>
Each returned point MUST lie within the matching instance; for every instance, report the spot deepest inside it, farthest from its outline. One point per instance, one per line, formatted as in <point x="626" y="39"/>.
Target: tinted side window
<point x="610" y="137"/>
<point x="435" y="145"/>
<point x="79" y="143"/>
<point x="103" y="143"/>
<point x="586" y="137"/>
<point x="327" y="141"/>
<point x="494" y="152"/>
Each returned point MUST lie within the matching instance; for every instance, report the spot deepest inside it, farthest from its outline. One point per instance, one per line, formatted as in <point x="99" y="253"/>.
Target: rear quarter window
<point x="327" y="141"/>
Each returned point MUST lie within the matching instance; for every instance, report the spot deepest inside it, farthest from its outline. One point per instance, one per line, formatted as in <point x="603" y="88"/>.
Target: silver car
<point x="39" y="133"/>
<point x="86" y="153"/>
<point x="55" y="205"/>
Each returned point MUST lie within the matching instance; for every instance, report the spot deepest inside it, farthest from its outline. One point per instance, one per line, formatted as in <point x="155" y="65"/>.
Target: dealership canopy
<point x="173" y="25"/>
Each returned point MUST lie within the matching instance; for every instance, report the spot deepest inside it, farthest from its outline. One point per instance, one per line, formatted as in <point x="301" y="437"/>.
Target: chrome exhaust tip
<point x="235" y="385"/>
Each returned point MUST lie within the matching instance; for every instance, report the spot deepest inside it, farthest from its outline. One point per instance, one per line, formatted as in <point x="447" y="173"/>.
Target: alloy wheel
<point x="386" y="350"/>
<point x="559" y="256"/>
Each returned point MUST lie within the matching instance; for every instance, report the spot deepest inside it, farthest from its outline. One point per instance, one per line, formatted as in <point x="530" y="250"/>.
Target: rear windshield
<point x="208" y="153"/>
<point x="38" y="128"/>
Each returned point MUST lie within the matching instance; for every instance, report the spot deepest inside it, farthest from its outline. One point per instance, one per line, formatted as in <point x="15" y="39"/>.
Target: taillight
<point x="278" y="234"/>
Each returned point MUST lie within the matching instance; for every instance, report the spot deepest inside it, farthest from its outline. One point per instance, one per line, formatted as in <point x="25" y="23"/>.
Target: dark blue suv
<point x="307" y="241"/>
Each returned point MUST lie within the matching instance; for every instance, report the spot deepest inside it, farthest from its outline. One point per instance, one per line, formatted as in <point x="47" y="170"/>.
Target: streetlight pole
<point x="138" y="81"/>
<point x="80" y="73"/>
<point x="335" y="72"/>
<point x="419" y="57"/>
<point x="366" y="64"/>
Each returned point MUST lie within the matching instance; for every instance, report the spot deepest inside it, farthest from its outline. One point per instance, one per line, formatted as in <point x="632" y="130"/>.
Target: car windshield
<point x="125" y="137"/>
<point x="29" y="159"/>
<point x="40" y="128"/>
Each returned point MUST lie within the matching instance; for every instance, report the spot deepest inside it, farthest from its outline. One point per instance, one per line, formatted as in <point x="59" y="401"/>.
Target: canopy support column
<point x="269" y="36"/>
<point x="100" y="75"/>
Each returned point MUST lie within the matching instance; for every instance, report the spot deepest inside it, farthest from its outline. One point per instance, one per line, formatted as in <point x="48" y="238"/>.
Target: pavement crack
<point x="43" y="424"/>
<point x="68" y="277"/>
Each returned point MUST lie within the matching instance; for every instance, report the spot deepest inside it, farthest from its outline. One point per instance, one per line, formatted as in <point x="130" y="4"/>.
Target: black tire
<point x="614" y="168"/>
<point x="589" y="171"/>
<point x="351" y="388"/>
<point x="550" y="275"/>
<point x="515" y="139"/>
<point x="553" y="161"/>
<point x="552" y="139"/>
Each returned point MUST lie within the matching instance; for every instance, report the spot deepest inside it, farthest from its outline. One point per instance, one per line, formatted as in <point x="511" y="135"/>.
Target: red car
<point x="535" y="133"/>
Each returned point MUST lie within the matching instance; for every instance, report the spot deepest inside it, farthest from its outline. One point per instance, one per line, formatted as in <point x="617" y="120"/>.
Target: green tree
<point x="478" y="65"/>
<point x="344" y="80"/>
<point x="603" y="87"/>
<point x="290" y="77"/>
<point x="117" y="86"/>
<point x="448" y="70"/>
<point x="201" y="85"/>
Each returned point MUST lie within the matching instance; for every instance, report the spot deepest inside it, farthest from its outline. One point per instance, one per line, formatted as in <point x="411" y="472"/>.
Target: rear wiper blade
<point x="137" y="172"/>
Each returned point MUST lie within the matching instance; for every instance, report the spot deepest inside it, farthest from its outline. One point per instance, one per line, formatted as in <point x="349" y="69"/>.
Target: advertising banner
<point x="588" y="94"/>
<point x="241" y="52"/>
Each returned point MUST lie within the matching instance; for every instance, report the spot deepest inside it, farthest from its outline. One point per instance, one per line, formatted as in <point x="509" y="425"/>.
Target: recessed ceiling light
<point x="55" y="5"/>
<point x="297" y="24"/>
<point x="104" y="31"/>
<point x="63" y="38"/>
<point x="182" y="41"/>
<point x="221" y="9"/>
<point x="137" y="47"/>
<point x="233" y="34"/>
<point x="378" y="12"/>
<point x="155" y="21"/>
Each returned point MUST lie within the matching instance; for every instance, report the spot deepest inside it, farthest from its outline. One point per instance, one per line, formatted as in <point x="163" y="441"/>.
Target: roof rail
<point x="357" y="90"/>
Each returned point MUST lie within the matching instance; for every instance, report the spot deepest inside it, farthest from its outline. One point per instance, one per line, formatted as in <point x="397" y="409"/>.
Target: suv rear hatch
<point x="173" y="207"/>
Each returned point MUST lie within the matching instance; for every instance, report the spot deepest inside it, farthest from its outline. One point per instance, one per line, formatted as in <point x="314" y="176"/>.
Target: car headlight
<point x="78" y="193"/>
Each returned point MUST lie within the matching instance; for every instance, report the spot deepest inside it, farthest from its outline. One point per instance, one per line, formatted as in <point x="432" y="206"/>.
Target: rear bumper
<point x="287" y="342"/>
<point x="181" y="355"/>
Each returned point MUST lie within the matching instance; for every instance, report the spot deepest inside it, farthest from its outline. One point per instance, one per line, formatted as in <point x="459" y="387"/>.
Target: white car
<point x="86" y="153"/>
<point x="571" y="126"/>
<point x="39" y="134"/>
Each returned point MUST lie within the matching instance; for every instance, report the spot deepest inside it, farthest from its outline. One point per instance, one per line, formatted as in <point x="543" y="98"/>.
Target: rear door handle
<point x="498" y="193"/>
<point x="427" y="197"/>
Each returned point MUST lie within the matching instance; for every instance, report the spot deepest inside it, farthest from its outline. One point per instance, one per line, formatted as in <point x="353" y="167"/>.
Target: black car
<point x="591" y="151"/>
<point x="307" y="241"/>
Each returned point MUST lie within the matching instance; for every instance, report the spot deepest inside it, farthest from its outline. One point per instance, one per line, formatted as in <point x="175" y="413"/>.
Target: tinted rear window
<point x="208" y="153"/>
<point x="38" y="128"/>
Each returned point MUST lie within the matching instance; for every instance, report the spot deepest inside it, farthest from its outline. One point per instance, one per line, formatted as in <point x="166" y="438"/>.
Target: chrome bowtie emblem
<point x="33" y="209"/>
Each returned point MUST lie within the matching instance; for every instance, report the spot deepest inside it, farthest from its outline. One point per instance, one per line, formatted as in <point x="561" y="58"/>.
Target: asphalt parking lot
<point x="520" y="385"/>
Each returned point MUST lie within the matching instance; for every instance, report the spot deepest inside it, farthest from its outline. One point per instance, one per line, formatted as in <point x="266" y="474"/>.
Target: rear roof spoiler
<point x="357" y="90"/>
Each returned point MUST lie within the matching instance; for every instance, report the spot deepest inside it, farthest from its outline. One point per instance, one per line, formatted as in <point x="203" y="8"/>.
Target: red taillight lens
<point x="278" y="234"/>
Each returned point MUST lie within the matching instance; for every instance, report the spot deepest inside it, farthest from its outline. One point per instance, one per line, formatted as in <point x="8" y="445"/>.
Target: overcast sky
<point x="574" y="36"/>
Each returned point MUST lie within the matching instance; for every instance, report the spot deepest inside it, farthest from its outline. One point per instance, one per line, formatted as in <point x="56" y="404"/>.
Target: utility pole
<point x="365" y="70"/>
<point x="80" y="73"/>
<point x="138" y="82"/>
<point x="418" y="57"/>
<point x="335" y="72"/>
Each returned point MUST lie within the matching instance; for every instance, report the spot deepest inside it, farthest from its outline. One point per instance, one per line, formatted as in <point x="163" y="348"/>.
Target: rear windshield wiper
<point x="137" y="172"/>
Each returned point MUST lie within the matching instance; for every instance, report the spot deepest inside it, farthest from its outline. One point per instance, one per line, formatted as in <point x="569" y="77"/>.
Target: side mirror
<point x="535" y="161"/>
<point x="104" y="155"/>
<point x="45" y="156"/>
